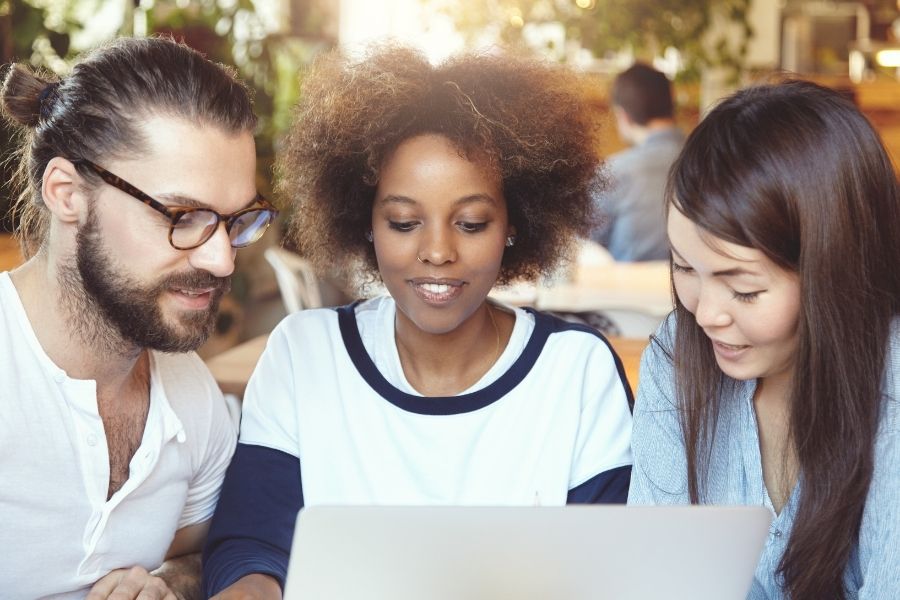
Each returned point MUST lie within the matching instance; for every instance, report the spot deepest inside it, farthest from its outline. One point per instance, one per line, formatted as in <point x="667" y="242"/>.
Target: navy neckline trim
<point x="544" y="325"/>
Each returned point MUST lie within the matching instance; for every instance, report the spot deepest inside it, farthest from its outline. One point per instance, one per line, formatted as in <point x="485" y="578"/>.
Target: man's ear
<point x="59" y="189"/>
<point x="624" y="123"/>
<point x="621" y="114"/>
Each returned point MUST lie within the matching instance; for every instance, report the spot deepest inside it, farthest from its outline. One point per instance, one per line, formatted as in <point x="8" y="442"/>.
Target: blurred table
<point x="10" y="256"/>
<point x="641" y="286"/>
<point x="232" y="368"/>
<point x="634" y="297"/>
<point x="629" y="351"/>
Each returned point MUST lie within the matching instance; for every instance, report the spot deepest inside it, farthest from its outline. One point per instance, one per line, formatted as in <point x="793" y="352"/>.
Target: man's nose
<point x="215" y="255"/>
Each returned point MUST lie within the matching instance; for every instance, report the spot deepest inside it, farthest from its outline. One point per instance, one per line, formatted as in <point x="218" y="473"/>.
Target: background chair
<point x="296" y="278"/>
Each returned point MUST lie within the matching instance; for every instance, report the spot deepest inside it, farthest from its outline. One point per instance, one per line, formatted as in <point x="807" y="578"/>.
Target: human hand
<point x="182" y="575"/>
<point x="130" y="584"/>
<point x="251" y="587"/>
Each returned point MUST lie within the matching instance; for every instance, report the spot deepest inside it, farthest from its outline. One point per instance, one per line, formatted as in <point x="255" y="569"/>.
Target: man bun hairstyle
<point x="95" y="111"/>
<point x="28" y="96"/>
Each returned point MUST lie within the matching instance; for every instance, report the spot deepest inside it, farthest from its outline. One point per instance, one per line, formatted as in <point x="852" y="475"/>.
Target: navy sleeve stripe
<point x="252" y="556"/>
<point x="608" y="487"/>
<point x="252" y="529"/>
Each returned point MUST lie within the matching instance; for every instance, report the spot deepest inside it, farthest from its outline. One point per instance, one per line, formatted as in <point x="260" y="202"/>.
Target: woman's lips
<point x="729" y="351"/>
<point x="437" y="292"/>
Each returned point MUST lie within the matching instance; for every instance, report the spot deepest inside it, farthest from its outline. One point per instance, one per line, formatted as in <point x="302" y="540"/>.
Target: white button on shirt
<point x="54" y="465"/>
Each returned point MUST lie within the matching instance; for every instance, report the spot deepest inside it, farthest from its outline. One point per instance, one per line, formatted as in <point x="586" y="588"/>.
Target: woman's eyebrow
<point x="464" y="200"/>
<point x="732" y="272"/>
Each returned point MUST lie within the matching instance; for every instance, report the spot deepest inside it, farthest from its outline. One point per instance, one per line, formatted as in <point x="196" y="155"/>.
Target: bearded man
<point x="138" y="183"/>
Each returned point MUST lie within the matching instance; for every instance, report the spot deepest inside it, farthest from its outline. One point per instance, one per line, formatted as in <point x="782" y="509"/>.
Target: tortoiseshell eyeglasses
<point x="191" y="227"/>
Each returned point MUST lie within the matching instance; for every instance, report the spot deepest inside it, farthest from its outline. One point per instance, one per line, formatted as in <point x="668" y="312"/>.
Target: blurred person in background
<point x="776" y="381"/>
<point x="137" y="184"/>
<point x="632" y="209"/>
<point x="439" y="181"/>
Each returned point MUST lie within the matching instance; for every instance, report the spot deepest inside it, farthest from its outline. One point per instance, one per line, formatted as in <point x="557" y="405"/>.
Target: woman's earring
<point x="510" y="240"/>
<point x="369" y="236"/>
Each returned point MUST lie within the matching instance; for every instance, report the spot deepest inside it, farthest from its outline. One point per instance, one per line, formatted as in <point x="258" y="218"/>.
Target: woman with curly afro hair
<point x="439" y="181"/>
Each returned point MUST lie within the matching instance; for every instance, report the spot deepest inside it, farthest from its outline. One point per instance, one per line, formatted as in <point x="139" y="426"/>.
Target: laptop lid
<point x="525" y="553"/>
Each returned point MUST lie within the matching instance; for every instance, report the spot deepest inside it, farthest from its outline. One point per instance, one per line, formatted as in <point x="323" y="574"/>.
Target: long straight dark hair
<point x="795" y="171"/>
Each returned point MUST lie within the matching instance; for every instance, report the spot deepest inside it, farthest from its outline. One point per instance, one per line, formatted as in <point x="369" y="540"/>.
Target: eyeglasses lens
<point x="194" y="228"/>
<point x="249" y="227"/>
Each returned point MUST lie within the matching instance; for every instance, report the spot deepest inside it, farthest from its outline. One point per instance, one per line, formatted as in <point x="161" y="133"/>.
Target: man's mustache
<point x="196" y="279"/>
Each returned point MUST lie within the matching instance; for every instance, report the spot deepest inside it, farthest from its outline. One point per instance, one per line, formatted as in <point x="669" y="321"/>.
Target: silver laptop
<point x="525" y="553"/>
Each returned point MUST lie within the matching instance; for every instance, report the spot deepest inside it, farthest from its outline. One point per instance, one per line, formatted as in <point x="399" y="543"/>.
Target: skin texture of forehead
<point x="186" y="163"/>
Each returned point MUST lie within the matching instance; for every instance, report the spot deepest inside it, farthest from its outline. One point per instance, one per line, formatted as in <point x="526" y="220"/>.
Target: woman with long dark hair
<point x="775" y="382"/>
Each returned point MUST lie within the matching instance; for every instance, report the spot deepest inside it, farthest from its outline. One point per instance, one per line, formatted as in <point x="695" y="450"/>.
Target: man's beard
<point x="110" y="308"/>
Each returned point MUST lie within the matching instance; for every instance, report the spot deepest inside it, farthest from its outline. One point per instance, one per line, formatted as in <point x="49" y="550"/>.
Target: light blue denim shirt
<point x="735" y="471"/>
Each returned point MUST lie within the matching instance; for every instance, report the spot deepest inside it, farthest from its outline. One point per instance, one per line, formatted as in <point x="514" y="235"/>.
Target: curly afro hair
<point x="529" y="120"/>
